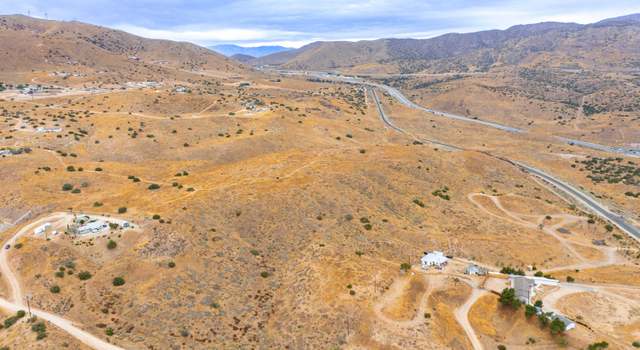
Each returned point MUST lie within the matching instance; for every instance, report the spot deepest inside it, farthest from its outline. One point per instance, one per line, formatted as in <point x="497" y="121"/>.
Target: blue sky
<point x="295" y="23"/>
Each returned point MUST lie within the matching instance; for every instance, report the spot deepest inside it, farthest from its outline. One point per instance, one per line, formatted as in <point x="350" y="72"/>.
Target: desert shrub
<point x="59" y="274"/>
<point x="84" y="275"/>
<point x="153" y="187"/>
<point x="111" y="244"/>
<point x="405" y="267"/>
<point x="67" y="187"/>
<point x="55" y="289"/>
<point x="171" y="264"/>
<point x="108" y="331"/>
<point x="122" y="210"/>
<point x="118" y="281"/>
<point x="264" y="274"/>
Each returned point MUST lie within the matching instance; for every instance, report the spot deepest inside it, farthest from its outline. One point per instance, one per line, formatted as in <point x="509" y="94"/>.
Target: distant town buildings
<point x="435" y="259"/>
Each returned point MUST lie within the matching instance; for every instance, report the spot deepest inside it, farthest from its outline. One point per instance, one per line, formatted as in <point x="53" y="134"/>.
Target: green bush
<point x="108" y="331"/>
<point x="55" y="289"/>
<point x="508" y="298"/>
<point x="156" y="217"/>
<point x="84" y="275"/>
<point x="557" y="326"/>
<point x="59" y="274"/>
<point x="570" y="279"/>
<point x="67" y="187"/>
<point x="405" y="267"/>
<point x="598" y="346"/>
<point x="122" y="210"/>
<point x="264" y="274"/>
<point x="636" y="344"/>
<point x="111" y="244"/>
<point x="118" y="281"/>
<point x="529" y="310"/>
<point x="508" y="270"/>
<point x="171" y="264"/>
<point x="153" y="187"/>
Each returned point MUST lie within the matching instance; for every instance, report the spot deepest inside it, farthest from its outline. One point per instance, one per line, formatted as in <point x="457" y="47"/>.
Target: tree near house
<point x="508" y="298"/>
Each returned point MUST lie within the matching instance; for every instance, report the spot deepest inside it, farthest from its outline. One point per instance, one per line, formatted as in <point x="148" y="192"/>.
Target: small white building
<point x="92" y="227"/>
<point x="434" y="259"/>
<point x="48" y="130"/>
<point x="42" y="229"/>
<point x="475" y="270"/>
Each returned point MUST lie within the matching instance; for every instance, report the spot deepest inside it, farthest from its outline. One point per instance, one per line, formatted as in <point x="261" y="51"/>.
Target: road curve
<point x="387" y="121"/>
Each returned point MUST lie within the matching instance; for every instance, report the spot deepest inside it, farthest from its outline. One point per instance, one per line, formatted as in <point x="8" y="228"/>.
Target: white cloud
<point x="206" y="35"/>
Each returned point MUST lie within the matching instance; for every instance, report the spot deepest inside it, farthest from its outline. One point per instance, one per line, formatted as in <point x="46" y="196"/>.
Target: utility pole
<point x="27" y="297"/>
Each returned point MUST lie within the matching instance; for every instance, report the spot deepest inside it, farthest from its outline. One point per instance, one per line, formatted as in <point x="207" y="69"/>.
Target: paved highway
<point x="626" y="151"/>
<point x="387" y="121"/>
<point x="585" y="200"/>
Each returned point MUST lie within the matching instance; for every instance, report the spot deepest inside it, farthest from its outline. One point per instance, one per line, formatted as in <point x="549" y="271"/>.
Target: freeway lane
<point x="387" y="121"/>
<point x="585" y="200"/>
<point x="629" y="152"/>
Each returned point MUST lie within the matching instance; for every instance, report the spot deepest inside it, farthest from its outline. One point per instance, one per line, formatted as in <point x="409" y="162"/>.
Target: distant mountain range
<point x="258" y="51"/>
<point x="614" y="41"/>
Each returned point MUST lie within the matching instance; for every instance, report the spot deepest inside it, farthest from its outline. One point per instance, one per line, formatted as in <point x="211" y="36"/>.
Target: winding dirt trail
<point x="537" y="222"/>
<point x="434" y="282"/>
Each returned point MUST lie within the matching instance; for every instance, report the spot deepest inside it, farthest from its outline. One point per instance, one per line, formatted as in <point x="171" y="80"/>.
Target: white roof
<point x="434" y="258"/>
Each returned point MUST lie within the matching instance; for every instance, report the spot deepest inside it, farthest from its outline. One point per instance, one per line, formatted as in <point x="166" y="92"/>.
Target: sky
<point x="297" y="23"/>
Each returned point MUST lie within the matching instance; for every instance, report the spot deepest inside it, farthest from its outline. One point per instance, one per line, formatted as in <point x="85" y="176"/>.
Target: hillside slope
<point x="28" y="43"/>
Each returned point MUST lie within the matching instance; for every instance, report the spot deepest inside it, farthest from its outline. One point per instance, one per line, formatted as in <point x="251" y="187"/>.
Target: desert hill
<point x="33" y="44"/>
<point x="611" y="41"/>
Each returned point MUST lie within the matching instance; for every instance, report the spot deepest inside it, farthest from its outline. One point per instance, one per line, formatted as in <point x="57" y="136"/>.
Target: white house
<point x="434" y="259"/>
